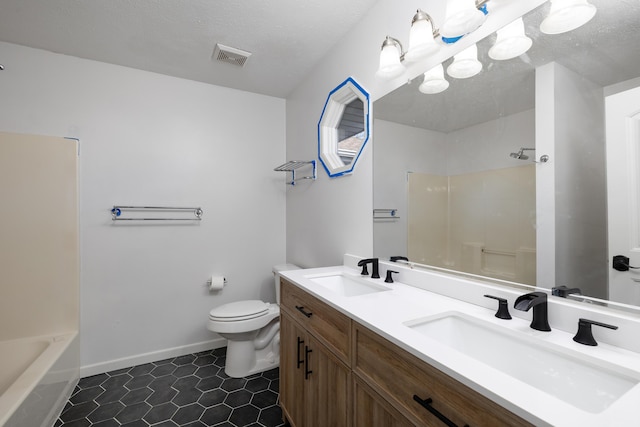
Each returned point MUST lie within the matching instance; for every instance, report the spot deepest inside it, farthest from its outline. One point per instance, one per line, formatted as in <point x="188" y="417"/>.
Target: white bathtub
<point x="37" y="376"/>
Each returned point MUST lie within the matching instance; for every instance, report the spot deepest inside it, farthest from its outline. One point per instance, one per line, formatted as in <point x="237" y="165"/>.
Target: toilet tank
<point x="276" y="276"/>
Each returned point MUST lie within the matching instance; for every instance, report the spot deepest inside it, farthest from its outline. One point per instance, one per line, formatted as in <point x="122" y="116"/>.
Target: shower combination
<point x="521" y="156"/>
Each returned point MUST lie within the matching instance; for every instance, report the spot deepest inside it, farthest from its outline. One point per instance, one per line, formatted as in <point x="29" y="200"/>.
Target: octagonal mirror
<point x="343" y="129"/>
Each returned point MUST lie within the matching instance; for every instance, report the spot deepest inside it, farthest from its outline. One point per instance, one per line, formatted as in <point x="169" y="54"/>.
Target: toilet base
<point x="243" y="359"/>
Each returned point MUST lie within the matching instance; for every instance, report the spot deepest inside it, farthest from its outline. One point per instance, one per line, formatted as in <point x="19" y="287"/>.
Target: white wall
<point x="149" y="139"/>
<point x="572" y="235"/>
<point x="486" y="146"/>
<point x="581" y="193"/>
<point x="330" y="217"/>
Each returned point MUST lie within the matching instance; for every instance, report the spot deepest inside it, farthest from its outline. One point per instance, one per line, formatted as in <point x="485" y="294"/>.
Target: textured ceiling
<point x="606" y="51"/>
<point x="286" y="37"/>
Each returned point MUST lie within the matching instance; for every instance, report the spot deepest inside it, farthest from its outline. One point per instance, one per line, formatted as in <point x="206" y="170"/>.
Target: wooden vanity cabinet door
<point x="315" y="385"/>
<point x="398" y="375"/>
<point x="371" y="410"/>
<point x="328" y="389"/>
<point x="327" y="324"/>
<point x="292" y="341"/>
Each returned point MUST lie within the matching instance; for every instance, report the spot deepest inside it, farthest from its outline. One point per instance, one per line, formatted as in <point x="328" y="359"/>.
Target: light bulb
<point x="567" y="15"/>
<point x="434" y="81"/>
<point x="421" y="42"/>
<point x="462" y="18"/>
<point x="390" y="65"/>
<point x="465" y="64"/>
<point x="511" y="41"/>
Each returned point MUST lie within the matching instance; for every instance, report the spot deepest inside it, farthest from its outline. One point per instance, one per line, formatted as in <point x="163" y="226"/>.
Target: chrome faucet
<point x="537" y="300"/>
<point x="375" y="274"/>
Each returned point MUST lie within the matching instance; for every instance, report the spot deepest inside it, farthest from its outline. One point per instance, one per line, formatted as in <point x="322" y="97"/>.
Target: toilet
<point x="252" y="330"/>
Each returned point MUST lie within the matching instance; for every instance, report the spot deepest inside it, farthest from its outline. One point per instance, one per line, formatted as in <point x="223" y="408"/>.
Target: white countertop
<point x="385" y="313"/>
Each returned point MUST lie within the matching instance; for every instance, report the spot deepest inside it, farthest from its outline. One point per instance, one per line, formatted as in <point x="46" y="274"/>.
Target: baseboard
<point x="140" y="359"/>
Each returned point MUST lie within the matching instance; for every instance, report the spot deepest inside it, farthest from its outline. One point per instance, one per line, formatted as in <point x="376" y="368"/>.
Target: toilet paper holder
<point x="216" y="283"/>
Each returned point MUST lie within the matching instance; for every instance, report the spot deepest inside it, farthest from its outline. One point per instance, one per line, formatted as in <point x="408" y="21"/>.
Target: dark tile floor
<point x="190" y="390"/>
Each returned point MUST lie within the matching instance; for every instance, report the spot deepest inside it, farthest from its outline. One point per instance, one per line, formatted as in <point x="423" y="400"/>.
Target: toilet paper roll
<point x="216" y="283"/>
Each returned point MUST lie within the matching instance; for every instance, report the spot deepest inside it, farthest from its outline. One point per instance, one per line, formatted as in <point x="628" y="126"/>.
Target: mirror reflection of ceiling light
<point x="567" y="15"/>
<point x="434" y="81"/>
<point x="511" y="42"/>
<point x="463" y="17"/>
<point x="465" y="64"/>
<point x="421" y="37"/>
<point x="390" y="59"/>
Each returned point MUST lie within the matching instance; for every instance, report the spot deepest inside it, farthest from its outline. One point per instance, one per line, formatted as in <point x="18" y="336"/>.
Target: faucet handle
<point x="363" y="263"/>
<point x="397" y="258"/>
<point x="584" y="334"/>
<point x="364" y="271"/>
<point x="503" y="307"/>
<point x="389" y="278"/>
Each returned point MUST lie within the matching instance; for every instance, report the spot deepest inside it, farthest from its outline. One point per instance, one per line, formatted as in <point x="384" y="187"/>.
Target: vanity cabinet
<point x="315" y="377"/>
<point x="336" y="372"/>
<point x="403" y="380"/>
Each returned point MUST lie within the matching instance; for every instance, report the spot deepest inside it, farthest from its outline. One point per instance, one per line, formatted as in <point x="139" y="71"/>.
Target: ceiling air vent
<point x="230" y="55"/>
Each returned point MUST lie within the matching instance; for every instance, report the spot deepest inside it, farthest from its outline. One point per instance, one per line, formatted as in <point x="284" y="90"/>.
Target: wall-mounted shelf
<point x="293" y="165"/>
<point x="391" y="214"/>
<point x="155" y="213"/>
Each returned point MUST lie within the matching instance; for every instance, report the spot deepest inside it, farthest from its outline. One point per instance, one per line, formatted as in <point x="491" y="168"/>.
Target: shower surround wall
<point x="39" y="278"/>
<point x="149" y="139"/>
<point x="480" y="223"/>
<point x="478" y="153"/>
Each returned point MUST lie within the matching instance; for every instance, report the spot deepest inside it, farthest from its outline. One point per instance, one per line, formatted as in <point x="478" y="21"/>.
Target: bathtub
<point x="37" y="376"/>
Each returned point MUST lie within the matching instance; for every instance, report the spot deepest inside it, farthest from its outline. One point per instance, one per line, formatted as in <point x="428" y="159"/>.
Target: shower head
<point x="519" y="155"/>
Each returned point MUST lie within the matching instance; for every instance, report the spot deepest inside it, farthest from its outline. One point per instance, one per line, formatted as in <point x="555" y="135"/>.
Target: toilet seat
<point x="240" y="310"/>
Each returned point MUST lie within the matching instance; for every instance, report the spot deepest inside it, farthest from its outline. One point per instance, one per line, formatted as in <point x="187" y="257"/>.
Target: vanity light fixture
<point x="391" y="57"/>
<point x="465" y="64"/>
<point x="421" y="37"/>
<point x="434" y="81"/>
<point x="567" y="15"/>
<point x="511" y="41"/>
<point x="421" y="43"/>
<point x="463" y="17"/>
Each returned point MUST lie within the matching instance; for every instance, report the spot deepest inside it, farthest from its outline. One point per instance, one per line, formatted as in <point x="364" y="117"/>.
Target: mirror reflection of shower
<point x="521" y="156"/>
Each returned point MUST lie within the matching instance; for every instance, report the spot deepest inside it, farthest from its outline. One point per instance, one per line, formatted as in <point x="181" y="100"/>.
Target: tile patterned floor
<point x="190" y="390"/>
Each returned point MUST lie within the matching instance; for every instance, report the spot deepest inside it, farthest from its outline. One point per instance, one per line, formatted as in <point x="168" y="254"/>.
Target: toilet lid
<point x="240" y="310"/>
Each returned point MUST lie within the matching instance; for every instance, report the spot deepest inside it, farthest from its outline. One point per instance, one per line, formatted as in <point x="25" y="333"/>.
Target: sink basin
<point x="570" y="376"/>
<point x="348" y="286"/>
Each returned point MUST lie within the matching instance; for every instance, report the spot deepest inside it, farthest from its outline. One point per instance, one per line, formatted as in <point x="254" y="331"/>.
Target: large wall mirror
<point x="343" y="129"/>
<point x="528" y="172"/>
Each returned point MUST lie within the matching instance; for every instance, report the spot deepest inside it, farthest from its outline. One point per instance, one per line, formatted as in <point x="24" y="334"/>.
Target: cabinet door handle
<point x="427" y="405"/>
<point x="302" y="310"/>
<point x="307" y="371"/>
<point x="300" y="362"/>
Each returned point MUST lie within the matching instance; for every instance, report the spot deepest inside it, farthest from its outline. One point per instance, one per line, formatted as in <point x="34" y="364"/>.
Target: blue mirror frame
<point x="332" y="113"/>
